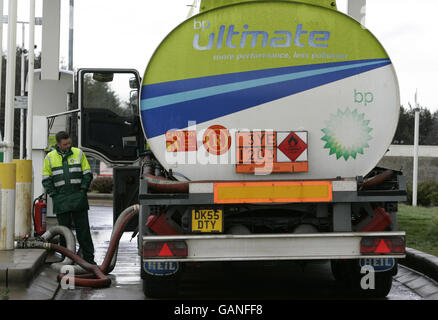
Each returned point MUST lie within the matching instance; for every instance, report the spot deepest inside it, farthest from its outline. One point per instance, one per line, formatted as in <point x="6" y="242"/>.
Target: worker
<point x="66" y="178"/>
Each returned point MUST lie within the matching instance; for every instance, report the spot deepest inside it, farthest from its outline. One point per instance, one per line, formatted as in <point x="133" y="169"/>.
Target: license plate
<point x="207" y="220"/>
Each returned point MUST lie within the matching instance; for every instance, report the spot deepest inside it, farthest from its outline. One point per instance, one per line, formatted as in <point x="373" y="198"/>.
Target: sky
<point x="124" y="34"/>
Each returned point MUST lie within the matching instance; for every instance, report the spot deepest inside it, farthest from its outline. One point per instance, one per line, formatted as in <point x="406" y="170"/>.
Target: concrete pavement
<point x="422" y="262"/>
<point x="20" y="266"/>
<point x="424" y="286"/>
<point x="22" y="276"/>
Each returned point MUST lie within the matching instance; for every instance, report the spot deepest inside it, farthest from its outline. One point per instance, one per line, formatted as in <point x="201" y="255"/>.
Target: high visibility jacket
<point x="66" y="178"/>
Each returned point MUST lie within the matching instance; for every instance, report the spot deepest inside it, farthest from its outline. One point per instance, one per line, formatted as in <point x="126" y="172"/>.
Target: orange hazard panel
<point x="273" y="167"/>
<point x="271" y="151"/>
<point x="273" y="191"/>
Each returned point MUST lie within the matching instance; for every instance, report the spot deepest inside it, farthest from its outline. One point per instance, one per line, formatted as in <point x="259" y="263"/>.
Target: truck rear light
<point x="382" y="245"/>
<point x="165" y="249"/>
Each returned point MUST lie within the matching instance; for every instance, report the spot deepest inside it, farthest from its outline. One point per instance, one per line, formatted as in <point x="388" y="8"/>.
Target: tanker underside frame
<point x="344" y="221"/>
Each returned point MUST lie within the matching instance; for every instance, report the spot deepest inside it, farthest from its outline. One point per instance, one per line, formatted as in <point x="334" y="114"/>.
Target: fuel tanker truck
<point x="254" y="136"/>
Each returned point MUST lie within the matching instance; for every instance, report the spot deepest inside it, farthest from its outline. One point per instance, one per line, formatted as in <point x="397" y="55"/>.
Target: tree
<point x="428" y="131"/>
<point x="405" y="128"/>
<point x="432" y="137"/>
<point x="99" y="95"/>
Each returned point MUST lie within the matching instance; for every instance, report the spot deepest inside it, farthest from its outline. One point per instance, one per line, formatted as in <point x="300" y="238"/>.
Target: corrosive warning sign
<point x="271" y="151"/>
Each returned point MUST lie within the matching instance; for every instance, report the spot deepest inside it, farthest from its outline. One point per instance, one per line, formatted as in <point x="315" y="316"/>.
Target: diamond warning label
<point x="293" y="146"/>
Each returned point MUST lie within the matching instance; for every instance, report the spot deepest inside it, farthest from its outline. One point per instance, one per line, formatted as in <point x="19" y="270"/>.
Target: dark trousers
<point x="83" y="235"/>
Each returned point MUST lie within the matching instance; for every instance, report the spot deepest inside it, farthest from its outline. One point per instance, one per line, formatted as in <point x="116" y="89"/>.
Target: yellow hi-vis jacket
<point x="66" y="178"/>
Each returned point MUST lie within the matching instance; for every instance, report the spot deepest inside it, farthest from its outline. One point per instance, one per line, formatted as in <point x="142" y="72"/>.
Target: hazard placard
<point x="217" y="140"/>
<point x="271" y="151"/>
<point x="292" y="146"/>
<point x="181" y="141"/>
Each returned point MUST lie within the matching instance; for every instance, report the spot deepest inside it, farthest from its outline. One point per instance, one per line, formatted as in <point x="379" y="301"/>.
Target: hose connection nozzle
<point x="31" y="244"/>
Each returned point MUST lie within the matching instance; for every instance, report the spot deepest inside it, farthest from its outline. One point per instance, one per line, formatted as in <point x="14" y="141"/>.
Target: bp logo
<point x="347" y="133"/>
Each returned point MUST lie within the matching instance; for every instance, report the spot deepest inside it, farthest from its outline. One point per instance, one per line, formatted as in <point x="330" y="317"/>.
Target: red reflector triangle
<point x="165" y="251"/>
<point x="382" y="247"/>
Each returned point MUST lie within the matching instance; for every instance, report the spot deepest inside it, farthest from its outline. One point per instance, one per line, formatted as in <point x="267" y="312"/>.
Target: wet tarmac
<point x="215" y="281"/>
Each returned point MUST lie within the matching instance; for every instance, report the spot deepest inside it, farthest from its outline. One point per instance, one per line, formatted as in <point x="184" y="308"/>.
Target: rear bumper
<point x="252" y="247"/>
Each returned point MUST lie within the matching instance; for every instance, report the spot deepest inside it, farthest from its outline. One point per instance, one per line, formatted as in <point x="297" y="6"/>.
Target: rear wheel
<point x="361" y="283"/>
<point x="161" y="286"/>
<point x="338" y="270"/>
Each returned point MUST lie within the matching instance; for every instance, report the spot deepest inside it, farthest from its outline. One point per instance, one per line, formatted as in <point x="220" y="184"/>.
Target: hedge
<point x="427" y="194"/>
<point x="102" y="185"/>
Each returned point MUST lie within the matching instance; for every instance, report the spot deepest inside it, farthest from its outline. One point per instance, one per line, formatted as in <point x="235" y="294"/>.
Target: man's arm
<point x="47" y="177"/>
<point x="87" y="176"/>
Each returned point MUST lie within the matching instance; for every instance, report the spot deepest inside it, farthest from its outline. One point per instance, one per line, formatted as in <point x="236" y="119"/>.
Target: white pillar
<point x="22" y="90"/>
<point x="70" y="35"/>
<point x="7" y="208"/>
<point x="23" y="197"/>
<point x="10" y="81"/>
<point x="50" y="40"/>
<point x="1" y="40"/>
<point x="357" y="10"/>
<point x="7" y="169"/>
<point x="415" y="177"/>
<point x="30" y="80"/>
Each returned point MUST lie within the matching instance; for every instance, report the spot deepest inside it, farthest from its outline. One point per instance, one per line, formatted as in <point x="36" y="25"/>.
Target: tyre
<point x="361" y="283"/>
<point x="161" y="286"/>
<point x="338" y="270"/>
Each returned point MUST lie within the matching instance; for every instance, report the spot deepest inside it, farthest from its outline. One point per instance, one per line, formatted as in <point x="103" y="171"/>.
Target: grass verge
<point x="421" y="226"/>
